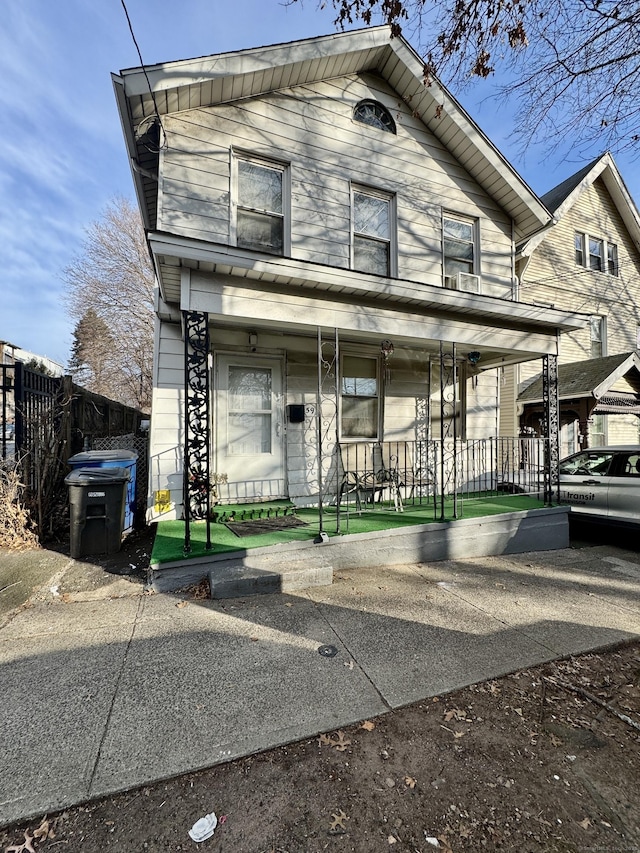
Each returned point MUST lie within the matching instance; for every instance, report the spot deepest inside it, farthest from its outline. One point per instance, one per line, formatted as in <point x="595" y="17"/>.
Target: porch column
<point x="327" y="420"/>
<point x="448" y="427"/>
<point x="584" y="423"/>
<point x="551" y="427"/>
<point x="196" y="481"/>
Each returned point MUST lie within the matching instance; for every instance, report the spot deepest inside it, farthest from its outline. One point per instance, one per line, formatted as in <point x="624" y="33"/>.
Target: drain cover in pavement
<point x="328" y="651"/>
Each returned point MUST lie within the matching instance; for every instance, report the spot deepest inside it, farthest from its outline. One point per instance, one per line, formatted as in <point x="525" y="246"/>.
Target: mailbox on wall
<point x="295" y="413"/>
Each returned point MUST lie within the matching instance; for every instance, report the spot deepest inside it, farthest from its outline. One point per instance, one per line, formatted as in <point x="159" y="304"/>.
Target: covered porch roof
<point x="234" y="288"/>
<point x="597" y="379"/>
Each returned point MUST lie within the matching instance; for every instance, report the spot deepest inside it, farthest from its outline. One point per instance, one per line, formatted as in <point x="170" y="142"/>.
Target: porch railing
<point x="410" y="473"/>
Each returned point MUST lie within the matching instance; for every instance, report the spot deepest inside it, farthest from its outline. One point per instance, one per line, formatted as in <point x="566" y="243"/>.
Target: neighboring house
<point x="335" y="249"/>
<point x="587" y="261"/>
<point x="10" y="353"/>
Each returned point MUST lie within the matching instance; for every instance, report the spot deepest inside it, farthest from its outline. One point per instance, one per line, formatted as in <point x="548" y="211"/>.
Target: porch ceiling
<point x="237" y="289"/>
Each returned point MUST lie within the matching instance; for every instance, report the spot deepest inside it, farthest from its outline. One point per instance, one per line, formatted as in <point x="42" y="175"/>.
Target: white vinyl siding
<point x="167" y="410"/>
<point x="312" y="126"/>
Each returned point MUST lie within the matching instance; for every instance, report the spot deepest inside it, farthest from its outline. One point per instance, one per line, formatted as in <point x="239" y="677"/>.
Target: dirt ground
<point x="546" y="759"/>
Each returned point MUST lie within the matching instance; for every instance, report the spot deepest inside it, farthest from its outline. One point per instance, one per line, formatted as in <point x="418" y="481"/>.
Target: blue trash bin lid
<point x="103" y="456"/>
<point x="97" y="475"/>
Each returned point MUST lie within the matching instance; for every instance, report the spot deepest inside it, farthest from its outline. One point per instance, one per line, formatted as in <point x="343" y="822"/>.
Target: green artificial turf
<point x="169" y="541"/>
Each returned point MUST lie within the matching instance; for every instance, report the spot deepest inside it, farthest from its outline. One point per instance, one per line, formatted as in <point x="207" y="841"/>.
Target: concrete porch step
<point x="236" y="581"/>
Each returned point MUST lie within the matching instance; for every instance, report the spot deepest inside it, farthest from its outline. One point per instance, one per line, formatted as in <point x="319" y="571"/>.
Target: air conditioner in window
<point x="463" y="281"/>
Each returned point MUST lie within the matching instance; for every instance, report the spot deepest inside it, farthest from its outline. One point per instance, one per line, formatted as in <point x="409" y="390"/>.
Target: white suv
<point x="604" y="483"/>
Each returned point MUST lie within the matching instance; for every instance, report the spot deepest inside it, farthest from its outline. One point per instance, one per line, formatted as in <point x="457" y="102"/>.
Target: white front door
<point x="249" y="428"/>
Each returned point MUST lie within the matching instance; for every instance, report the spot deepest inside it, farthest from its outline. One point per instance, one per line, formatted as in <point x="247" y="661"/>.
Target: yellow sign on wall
<point x="162" y="500"/>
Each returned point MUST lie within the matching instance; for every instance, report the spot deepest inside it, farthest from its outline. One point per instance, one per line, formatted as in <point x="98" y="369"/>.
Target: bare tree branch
<point x="572" y="64"/>
<point x="110" y="296"/>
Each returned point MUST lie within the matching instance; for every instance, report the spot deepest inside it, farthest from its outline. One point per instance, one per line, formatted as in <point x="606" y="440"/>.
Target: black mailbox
<point x="295" y="413"/>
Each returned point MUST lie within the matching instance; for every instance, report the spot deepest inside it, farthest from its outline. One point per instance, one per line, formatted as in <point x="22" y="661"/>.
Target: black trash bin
<point x="97" y="501"/>
<point x="113" y="459"/>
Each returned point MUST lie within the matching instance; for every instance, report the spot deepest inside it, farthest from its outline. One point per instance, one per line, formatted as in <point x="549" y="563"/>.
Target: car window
<point x="591" y="462"/>
<point x="629" y="465"/>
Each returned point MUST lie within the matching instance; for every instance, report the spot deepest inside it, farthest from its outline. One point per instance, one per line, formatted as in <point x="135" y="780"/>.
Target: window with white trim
<point x="372" y="231"/>
<point x="374" y="114"/>
<point x="359" y="397"/>
<point x="459" y="237"/>
<point x="594" y="253"/>
<point x="261" y="200"/>
<point x="597" y="431"/>
<point x="598" y="336"/>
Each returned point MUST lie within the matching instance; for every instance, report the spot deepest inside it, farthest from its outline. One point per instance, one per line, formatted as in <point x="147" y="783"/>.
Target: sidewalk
<point x="102" y="694"/>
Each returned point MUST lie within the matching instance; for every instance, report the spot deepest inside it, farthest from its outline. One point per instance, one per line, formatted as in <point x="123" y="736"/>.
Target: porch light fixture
<point x="253" y="341"/>
<point x="474" y="357"/>
<point x="386" y="348"/>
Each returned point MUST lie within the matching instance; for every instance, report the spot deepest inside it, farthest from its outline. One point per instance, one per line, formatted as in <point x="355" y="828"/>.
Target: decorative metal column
<point x="327" y="419"/>
<point x="551" y="427"/>
<point x="196" y="482"/>
<point x="448" y="428"/>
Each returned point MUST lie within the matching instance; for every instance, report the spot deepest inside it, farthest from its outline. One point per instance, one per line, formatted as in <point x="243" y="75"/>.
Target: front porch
<point x="300" y="557"/>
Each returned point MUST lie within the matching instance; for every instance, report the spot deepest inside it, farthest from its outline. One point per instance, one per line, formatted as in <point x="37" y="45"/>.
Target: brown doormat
<point x="256" y="526"/>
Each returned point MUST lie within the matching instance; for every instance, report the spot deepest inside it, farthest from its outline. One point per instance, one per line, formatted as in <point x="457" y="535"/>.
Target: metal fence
<point x="44" y="420"/>
<point x="410" y="473"/>
<point x="140" y="445"/>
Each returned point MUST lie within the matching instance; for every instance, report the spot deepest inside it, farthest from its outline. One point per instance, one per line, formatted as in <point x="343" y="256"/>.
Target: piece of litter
<point x="203" y="828"/>
<point x="431" y="840"/>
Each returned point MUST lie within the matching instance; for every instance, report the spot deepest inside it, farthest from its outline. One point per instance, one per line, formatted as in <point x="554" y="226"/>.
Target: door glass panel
<point x="249" y="434"/>
<point x="249" y="410"/>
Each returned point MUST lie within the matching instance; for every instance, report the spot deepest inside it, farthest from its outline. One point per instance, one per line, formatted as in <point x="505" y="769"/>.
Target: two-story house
<point x="335" y="246"/>
<point x="588" y="261"/>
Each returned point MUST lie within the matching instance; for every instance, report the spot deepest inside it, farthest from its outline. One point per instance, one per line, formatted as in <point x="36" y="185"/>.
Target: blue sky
<point x="62" y="157"/>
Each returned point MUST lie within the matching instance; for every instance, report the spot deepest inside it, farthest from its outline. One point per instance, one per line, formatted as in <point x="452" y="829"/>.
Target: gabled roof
<point x="590" y="378"/>
<point x="227" y="77"/>
<point x="562" y="198"/>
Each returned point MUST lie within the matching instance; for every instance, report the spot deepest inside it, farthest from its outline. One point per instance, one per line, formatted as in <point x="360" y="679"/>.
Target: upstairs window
<point x="260" y="205"/>
<point x="596" y="254"/>
<point x="375" y="115"/>
<point x="459" y="245"/>
<point x="372" y="215"/>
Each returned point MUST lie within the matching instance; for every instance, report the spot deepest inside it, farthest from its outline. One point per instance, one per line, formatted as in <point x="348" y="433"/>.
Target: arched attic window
<point x="375" y="115"/>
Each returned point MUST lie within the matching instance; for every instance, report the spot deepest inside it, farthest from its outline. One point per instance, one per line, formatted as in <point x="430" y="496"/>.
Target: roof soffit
<point x="216" y="79"/>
